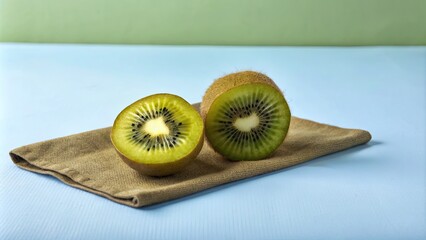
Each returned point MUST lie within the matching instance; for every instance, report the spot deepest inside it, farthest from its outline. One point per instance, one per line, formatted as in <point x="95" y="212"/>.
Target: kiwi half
<point x="246" y="116"/>
<point x="158" y="135"/>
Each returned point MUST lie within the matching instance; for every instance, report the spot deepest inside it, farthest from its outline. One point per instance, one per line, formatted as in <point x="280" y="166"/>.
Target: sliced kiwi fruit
<point x="246" y="116"/>
<point x="158" y="135"/>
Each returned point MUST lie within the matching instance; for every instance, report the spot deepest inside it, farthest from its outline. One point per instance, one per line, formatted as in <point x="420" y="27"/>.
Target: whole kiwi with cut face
<point x="158" y="135"/>
<point x="246" y="116"/>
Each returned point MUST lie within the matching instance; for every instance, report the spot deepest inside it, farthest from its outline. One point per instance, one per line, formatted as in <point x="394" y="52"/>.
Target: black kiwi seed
<point x="249" y="106"/>
<point x="156" y="143"/>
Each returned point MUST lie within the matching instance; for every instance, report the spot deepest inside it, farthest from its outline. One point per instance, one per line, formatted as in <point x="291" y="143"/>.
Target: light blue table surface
<point x="374" y="191"/>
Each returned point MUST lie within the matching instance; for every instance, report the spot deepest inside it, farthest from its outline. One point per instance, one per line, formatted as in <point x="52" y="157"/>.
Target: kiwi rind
<point x="163" y="169"/>
<point x="233" y="81"/>
<point x="170" y="166"/>
<point x="229" y="81"/>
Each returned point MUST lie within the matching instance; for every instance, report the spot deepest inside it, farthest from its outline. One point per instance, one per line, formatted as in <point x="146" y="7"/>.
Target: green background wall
<point x="211" y="22"/>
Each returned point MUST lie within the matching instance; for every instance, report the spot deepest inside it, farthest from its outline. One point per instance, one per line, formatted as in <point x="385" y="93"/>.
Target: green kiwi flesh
<point x="248" y="122"/>
<point x="158" y="135"/>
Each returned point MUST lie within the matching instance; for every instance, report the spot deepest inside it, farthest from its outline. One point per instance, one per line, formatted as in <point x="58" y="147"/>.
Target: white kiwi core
<point x="247" y="123"/>
<point x="156" y="127"/>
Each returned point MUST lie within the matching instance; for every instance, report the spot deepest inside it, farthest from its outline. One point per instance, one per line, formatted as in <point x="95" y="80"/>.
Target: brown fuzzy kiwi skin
<point x="228" y="82"/>
<point x="163" y="169"/>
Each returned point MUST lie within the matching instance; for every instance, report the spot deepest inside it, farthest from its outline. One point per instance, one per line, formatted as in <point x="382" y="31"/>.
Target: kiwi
<point x="246" y="116"/>
<point x="158" y="135"/>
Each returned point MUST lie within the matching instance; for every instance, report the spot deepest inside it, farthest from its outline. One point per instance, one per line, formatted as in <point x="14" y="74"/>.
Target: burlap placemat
<point x="88" y="161"/>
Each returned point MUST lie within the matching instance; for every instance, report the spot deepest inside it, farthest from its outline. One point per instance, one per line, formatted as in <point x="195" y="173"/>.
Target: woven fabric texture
<point x="89" y="161"/>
